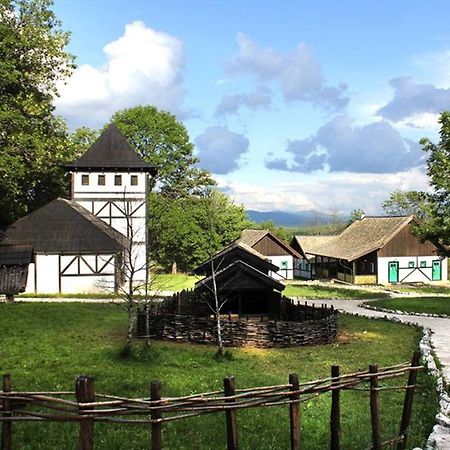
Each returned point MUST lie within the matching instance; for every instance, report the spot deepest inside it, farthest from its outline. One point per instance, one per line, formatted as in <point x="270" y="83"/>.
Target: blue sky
<point x="292" y="105"/>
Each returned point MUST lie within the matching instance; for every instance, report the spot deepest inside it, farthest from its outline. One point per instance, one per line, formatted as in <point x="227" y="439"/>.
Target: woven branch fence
<point x="88" y="407"/>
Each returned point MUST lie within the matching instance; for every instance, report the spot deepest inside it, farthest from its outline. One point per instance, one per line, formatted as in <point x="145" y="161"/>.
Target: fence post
<point x="407" y="405"/>
<point x="6" y="426"/>
<point x="84" y="391"/>
<point x="229" y="391"/>
<point x="335" y="415"/>
<point x="375" y="408"/>
<point x="155" y="395"/>
<point x="294" y="410"/>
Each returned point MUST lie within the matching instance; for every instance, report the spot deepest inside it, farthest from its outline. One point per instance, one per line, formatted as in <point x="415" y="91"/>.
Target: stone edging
<point x="401" y="313"/>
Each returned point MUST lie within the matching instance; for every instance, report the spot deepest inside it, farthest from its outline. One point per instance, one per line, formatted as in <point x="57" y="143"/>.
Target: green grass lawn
<point x="45" y="346"/>
<point x="430" y="305"/>
<point x="169" y="282"/>
<point x="313" y="291"/>
<point x="422" y="289"/>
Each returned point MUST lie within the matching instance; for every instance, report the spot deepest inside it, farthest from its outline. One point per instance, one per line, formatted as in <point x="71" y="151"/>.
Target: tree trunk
<point x="174" y="268"/>
<point x="9" y="298"/>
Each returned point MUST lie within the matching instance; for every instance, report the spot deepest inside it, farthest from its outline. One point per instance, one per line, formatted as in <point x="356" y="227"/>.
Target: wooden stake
<point x="335" y="416"/>
<point x="375" y="408"/>
<point x="155" y="394"/>
<point x="6" y="426"/>
<point x="294" y="410"/>
<point x="229" y="388"/>
<point x="84" y="391"/>
<point x="407" y="405"/>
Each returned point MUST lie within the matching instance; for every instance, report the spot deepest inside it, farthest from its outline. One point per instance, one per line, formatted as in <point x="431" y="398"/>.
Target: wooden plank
<point x="229" y="388"/>
<point x="375" y="408"/>
<point x="294" y="413"/>
<point x="407" y="405"/>
<point x="335" y="415"/>
<point x="155" y="395"/>
<point x="84" y="391"/>
<point x="6" y="426"/>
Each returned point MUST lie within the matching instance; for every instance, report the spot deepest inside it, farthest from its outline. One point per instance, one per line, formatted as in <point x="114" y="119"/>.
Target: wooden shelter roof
<point x="111" y="152"/>
<point x="252" y="237"/>
<point x="16" y="255"/>
<point x="64" y="227"/>
<point x="233" y="272"/>
<point x="233" y="252"/>
<point x="308" y="244"/>
<point x="362" y="237"/>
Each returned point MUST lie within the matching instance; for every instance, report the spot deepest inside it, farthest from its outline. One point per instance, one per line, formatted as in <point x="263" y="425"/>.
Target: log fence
<point x="87" y="407"/>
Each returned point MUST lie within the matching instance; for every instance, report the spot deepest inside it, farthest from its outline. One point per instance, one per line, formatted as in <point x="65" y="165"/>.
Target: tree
<point x="436" y="226"/>
<point x="355" y="215"/>
<point x="33" y="142"/>
<point x="163" y="141"/>
<point x="407" y="203"/>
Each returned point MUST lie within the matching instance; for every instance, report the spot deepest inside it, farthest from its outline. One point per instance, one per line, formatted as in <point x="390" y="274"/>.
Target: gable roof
<point x="236" y="251"/>
<point x="252" y="237"/>
<point x="363" y="236"/>
<point x="236" y="269"/>
<point x="111" y="151"/>
<point x="15" y="255"/>
<point x="308" y="244"/>
<point x="63" y="226"/>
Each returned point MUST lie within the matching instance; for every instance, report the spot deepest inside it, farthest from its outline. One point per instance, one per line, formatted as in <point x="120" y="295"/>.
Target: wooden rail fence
<point x="89" y="407"/>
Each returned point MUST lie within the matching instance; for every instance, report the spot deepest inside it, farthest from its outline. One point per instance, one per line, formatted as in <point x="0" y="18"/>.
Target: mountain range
<point x="292" y="219"/>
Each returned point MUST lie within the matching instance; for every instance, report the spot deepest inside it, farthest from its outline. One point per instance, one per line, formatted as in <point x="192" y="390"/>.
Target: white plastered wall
<point x="282" y="273"/>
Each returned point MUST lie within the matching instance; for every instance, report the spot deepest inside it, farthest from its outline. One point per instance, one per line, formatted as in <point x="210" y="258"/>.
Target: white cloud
<point x="142" y="67"/>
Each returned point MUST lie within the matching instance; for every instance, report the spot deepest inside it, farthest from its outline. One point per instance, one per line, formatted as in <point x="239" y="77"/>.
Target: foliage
<point x="33" y="142"/>
<point x="163" y="141"/>
<point x="45" y="346"/>
<point x="283" y="233"/>
<point x="429" y="305"/>
<point x="310" y="291"/>
<point x="179" y="228"/>
<point x="355" y="215"/>
<point x="407" y="203"/>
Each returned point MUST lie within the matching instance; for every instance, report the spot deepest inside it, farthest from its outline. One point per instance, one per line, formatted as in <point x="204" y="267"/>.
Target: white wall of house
<point x="44" y="274"/>
<point x="285" y="264"/>
<point x="411" y="269"/>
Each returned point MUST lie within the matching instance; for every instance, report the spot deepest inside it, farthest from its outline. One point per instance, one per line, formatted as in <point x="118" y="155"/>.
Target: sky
<point x="292" y="105"/>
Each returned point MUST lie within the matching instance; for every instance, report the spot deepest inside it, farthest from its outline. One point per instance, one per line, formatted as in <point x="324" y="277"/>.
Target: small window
<point x="101" y="180"/>
<point x="85" y="180"/>
<point x="117" y="180"/>
<point x="423" y="264"/>
<point x="411" y="264"/>
<point x="134" y="180"/>
<point x="284" y="264"/>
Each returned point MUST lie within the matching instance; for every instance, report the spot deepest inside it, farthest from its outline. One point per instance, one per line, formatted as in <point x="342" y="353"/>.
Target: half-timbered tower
<point x="111" y="181"/>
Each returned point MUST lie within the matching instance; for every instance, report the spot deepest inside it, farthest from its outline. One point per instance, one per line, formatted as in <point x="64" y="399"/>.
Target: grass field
<point x="313" y="291"/>
<point x="422" y="289"/>
<point x="45" y="346"/>
<point x="430" y="305"/>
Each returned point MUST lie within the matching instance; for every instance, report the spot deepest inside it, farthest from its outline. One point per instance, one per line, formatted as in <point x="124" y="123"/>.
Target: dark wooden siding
<point x="367" y="264"/>
<point x="406" y="244"/>
<point x="269" y="247"/>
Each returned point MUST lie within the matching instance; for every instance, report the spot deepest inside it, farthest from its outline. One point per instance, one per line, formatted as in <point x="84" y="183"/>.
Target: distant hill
<point x="288" y="219"/>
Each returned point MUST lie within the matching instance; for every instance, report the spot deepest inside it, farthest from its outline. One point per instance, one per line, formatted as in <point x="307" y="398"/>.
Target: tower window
<point x="117" y="180"/>
<point x="85" y="180"/>
<point x="134" y="180"/>
<point x="101" y="180"/>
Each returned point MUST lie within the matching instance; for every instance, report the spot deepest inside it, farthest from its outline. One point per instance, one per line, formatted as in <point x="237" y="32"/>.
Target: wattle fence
<point x="87" y="407"/>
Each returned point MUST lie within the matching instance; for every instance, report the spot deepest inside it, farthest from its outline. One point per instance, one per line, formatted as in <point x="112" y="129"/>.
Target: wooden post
<point x="84" y="391"/>
<point x="155" y="395"/>
<point x="407" y="405"/>
<point x="6" y="426"/>
<point x="335" y="416"/>
<point x="294" y="410"/>
<point x="375" y="408"/>
<point x="229" y="391"/>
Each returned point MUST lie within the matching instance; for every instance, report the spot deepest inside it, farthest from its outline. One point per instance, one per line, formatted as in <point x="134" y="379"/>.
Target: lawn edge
<point x="367" y="305"/>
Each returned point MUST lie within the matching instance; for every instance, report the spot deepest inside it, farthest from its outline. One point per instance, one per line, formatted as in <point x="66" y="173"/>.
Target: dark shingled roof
<point x="226" y="276"/>
<point x="362" y="237"/>
<point x="16" y="255"/>
<point x="65" y="227"/>
<point x="252" y="237"/>
<point x="110" y="152"/>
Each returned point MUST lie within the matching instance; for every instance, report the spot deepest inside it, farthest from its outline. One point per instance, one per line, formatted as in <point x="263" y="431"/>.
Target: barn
<point x="378" y="250"/>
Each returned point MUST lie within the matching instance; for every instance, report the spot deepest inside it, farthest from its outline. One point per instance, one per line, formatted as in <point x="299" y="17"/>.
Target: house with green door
<point x="379" y="250"/>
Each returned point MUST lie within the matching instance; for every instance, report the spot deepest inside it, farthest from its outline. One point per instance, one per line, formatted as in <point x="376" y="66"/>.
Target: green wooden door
<point x="393" y="272"/>
<point x="436" y="273"/>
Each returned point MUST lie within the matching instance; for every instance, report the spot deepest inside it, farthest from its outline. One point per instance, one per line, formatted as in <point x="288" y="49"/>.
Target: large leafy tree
<point x="437" y="226"/>
<point x="164" y="141"/>
<point x="32" y="141"/>
<point x="407" y="203"/>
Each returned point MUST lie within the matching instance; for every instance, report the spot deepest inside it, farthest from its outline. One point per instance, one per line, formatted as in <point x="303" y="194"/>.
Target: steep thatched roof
<point x="63" y="226"/>
<point x="362" y="237"/>
<point x="252" y="237"/>
<point x="309" y="244"/>
<point x="110" y="152"/>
